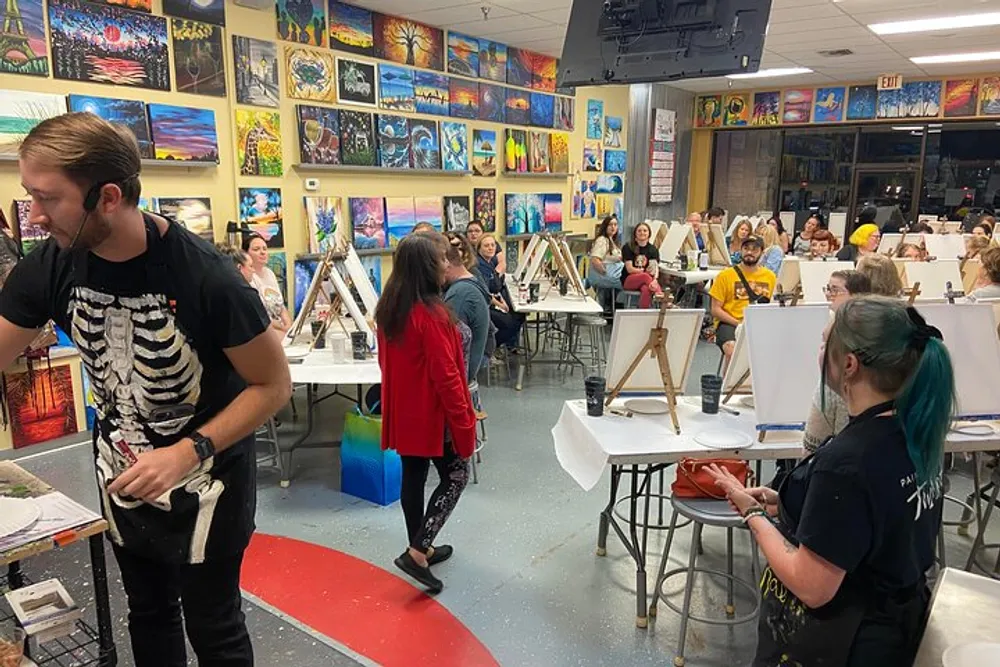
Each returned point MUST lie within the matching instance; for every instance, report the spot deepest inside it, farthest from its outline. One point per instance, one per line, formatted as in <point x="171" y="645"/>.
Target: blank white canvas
<point x="677" y="234"/>
<point x="945" y="246"/>
<point x="737" y="220"/>
<point x="656" y="229"/>
<point x="837" y="226"/>
<point x="356" y="270"/>
<point x="815" y="275"/>
<point x="630" y="334"/>
<point x="784" y="369"/>
<point x="352" y="306"/>
<point x="522" y="266"/>
<point x="719" y="247"/>
<point x="890" y="242"/>
<point x="788" y="221"/>
<point x="788" y="274"/>
<point x="739" y="364"/>
<point x="934" y="277"/>
<point x="534" y="261"/>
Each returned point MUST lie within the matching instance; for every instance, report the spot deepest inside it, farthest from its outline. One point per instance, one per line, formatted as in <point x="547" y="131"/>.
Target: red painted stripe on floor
<point x="363" y="607"/>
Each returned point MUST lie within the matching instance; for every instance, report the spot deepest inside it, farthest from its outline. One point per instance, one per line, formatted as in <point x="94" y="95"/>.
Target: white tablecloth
<point x="965" y="609"/>
<point x="555" y="303"/>
<point x="318" y="367"/>
<point x="691" y="277"/>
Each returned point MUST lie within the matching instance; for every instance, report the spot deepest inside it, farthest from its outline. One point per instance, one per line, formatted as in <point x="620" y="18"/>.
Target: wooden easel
<point x="656" y="346"/>
<point x="564" y="263"/>
<point x="912" y="293"/>
<point x="324" y="270"/>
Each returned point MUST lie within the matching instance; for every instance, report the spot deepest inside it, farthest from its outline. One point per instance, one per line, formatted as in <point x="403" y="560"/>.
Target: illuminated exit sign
<point x="890" y="82"/>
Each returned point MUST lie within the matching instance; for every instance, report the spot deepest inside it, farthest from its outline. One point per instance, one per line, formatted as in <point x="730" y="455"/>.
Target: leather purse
<point x="694" y="481"/>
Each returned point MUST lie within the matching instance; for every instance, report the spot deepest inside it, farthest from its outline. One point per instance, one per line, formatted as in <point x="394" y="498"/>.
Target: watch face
<point x="203" y="447"/>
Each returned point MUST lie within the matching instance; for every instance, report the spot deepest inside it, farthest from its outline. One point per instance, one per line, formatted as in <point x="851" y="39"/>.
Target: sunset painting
<point x="463" y="54"/>
<point x="408" y="42"/>
<point x="183" y="133"/>
<point x="350" y="29"/>
<point x="463" y="98"/>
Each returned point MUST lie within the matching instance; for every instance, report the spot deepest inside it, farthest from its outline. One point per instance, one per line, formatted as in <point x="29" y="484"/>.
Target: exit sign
<point x="890" y="82"/>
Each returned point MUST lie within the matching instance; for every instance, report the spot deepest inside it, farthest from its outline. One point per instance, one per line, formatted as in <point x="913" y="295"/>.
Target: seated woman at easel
<point x="822" y="244"/>
<point x="910" y="251"/>
<point x="507" y="322"/>
<point x="988" y="283"/>
<point x="882" y="273"/>
<point x="864" y="241"/>
<point x="642" y="266"/>
<point x="606" y="258"/>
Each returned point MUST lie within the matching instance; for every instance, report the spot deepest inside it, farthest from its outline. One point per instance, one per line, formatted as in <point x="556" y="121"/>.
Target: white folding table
<point x="964" y="609"/>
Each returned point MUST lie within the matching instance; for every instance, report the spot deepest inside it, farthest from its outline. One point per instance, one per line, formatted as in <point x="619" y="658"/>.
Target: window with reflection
<point x="816" y="170"/>
<point x="961" y="170"/>
<point x="896" y="144"/>
<point x="745" y="177"/>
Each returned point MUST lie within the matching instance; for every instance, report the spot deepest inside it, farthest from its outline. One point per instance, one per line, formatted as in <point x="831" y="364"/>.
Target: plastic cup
<point x="711" y="392"/>
<point x="11" y="646"/>
<point x="595" y="386"/>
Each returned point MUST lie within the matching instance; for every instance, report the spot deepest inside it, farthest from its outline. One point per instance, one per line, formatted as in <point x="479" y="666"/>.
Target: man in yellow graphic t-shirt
<point x="730" y="297"/>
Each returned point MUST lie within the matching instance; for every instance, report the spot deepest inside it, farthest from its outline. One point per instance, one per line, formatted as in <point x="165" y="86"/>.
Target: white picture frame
<point x="678" y="236"/>
<point x="629" y="335"/>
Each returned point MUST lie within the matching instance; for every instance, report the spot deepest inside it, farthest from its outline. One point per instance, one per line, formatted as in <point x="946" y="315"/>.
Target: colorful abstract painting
<point x="199" y="59"/>
<point x="613" y="131"/>
<point x="357" y="139"/>
<point x="356" y="82"/>
<point x="766" y="108"/>
<point x="309" y="74"/>
<point x="592" y="157"/>
<point x="400" y="218"/>
<point x="542" y="109"/>
<point x="302" y="21"/>
<point x="27" y="53"/>
<point x="407" y="42"/>
<point x="735" y="109"/>
<point x="519" y="65"/>
<point x="960" y="97"/>
<point x="861" y="102"/>
<point x="42" y="405"/>
<point x="183" y="133"/>
<point x="615" y="161"/>
<point x="396" y="88"/>
<point x="538" y="153"/>
<point x="797" y="106"/>
<point x="368" y="222"/>
<point x="193" y="213"/>
<point x="463" y="98"/>
<point x="559" y="152"/>
<point x="463" y="54"/>
<point x="563" y="115"/>
<point x="393" y="141"/>
<point x="350" y="29"/>
<point x="425" y="146"/>
<point x="431" y="91"/>
<point x="518" y="107"/>
<point x="105" y="44"/>
<point x="492" y="61"/>
<point x="457" y="213"/>
<point x="484" y="152"/>
<point x="428" y="209"/>
<point x="319" y="134"/>
<point x="829" y="105"/>
<point x="515" y="151"/>
<point x="484" y="202"/>
<point x="595" y="119"/>
<point x="989" y="96"/>
<point x="209" y="11"/>
<point x="584" y="199"/>
<point x="255" y="67"/>
<point x="543" y="72"/>
<point x="326" y="229"/>
<point x="708" y="111"/>
<point x="261" y="213"/>
<point x="553" y="212"/>
<point x="130" y="113"/>
<point x="492" y="100"/>
<point x="454" y="146"/>
<point x="609" y="184"/>
<point x="258" y="142"/>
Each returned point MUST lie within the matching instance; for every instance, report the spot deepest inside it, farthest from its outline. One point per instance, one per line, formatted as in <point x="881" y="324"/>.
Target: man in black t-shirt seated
<point x="183" y="370"/>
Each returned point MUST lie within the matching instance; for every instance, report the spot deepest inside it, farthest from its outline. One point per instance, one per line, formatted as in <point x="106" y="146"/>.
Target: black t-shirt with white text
<point x="151" y="333"/>
<point x="640" y="257"/>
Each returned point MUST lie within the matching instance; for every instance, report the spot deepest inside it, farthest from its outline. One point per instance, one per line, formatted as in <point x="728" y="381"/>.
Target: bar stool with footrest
<point x="481" y="436"/>
<point x="980" y="545"/>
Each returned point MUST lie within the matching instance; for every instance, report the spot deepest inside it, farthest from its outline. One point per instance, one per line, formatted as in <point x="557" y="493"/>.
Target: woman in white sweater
<point x="266" y="283"/>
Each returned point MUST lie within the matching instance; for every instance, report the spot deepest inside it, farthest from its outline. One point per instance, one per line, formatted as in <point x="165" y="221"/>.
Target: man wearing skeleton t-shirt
<point x="183" y="370"/>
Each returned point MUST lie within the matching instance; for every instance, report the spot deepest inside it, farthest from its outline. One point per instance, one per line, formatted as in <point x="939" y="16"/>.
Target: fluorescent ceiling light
<point x="767" y="73"/>
<point x="939" y="23"/>
<point x="908" y="128"/>
<point x="956" y="58"/>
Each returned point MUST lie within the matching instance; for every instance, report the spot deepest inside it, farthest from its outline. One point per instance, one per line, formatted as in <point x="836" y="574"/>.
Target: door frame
<point x="884" y="168"/>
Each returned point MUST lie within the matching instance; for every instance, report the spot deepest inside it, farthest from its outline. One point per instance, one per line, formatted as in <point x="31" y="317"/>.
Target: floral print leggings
<point x="422" y="527"/>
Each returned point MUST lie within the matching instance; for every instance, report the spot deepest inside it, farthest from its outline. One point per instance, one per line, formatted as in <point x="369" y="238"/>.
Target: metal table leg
<point x="605" y="519"/>
<point x="106" y="641"/>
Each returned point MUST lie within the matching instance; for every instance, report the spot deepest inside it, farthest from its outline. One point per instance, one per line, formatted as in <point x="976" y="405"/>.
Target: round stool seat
<point x="708" y="511"/>
<point x="590" y="320"/>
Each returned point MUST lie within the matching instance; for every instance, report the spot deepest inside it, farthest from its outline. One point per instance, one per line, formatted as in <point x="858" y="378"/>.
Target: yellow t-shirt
<point x="728" y="288"/>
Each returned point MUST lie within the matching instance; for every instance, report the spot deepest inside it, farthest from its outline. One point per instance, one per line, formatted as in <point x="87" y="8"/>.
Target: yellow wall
<point x="221" y="183"/>
<point x="701" y="170"/>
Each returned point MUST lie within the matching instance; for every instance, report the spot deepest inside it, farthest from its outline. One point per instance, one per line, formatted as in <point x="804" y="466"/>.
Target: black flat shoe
<point x="441" y="554"/>
<point x="421" y="574"/>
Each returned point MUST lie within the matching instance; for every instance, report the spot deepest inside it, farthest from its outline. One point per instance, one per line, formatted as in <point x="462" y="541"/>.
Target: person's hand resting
<point x="155" y="472"/>
<point x="737" y="495"/>
<point x="499" y="304"/>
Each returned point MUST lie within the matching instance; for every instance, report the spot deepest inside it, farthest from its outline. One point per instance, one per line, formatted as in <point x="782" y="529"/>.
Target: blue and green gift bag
<point x="366" y="471"/>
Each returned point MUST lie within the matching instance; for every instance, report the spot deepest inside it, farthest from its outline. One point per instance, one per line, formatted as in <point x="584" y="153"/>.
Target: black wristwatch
<point x="203" y="446"/>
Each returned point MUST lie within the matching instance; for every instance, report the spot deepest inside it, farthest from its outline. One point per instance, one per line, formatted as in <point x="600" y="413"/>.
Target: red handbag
<point x="694" y="481"/>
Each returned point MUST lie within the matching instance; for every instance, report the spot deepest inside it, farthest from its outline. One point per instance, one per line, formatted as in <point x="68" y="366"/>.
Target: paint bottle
<point x="121" y="446"/>
<point x="703" y="260"/>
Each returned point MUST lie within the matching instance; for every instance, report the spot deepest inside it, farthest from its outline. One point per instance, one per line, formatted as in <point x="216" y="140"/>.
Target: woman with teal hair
<point x="851" y="530"/>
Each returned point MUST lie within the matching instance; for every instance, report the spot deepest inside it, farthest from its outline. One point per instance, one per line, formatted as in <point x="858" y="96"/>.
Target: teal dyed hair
<point x="880" y="332"/>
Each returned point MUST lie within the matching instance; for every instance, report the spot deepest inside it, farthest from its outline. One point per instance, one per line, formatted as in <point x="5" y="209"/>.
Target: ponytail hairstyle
<point x="904" y="357"/>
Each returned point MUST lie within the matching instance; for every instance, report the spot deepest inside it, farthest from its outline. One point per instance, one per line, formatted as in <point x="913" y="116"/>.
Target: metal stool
<point x="980" y="542"/>
<point x="596" y="345"/>
<point x="968" y="516"/>
<point x="706" y="512"/>
<point x="267" y="434"/>
<point x="481" y="437"/>
<point x="631" y="298"/>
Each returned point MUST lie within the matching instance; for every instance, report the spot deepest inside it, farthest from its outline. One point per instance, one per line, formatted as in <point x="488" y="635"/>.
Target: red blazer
<point x="424" y="387"/>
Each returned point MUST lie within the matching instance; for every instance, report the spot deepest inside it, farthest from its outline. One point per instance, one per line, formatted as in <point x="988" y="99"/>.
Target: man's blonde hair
<point x="89" y="150"/>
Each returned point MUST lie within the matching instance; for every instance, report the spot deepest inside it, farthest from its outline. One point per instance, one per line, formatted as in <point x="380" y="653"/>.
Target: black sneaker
<point x="441" y="554"/>
<point x="421" y="574"/>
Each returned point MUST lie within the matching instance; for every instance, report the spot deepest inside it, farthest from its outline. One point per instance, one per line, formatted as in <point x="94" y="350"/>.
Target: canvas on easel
<point x="837" y="226"/>
<point x="736" y="379"/>
<point x="901" y="264"/>
<point x="933" y="277"/>
<point x="889" y="243"/>
<point x="657" y="231"/>
<point x="970" y="273"/>
<point x="944" y="227"/>
<point x="945" y="246"/>
<point x="534" y="263"/>
<point x="328" y="272"/>
<point x="527" y="256"/>
<point x="789" y="276"/>
<point x="362" y="282"/>
<point x="680" y="237"/>
<point x="718" y="250"/>
<point x="565" y="264"/>
<point x="815" y="275"/>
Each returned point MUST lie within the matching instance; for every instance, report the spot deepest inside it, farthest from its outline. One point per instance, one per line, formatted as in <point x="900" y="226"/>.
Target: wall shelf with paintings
<point x="528" y="174"/>
<point x="349" y="168"/>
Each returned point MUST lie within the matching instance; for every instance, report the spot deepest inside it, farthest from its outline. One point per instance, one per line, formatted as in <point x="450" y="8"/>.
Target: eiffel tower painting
<point x="22" y="38"/>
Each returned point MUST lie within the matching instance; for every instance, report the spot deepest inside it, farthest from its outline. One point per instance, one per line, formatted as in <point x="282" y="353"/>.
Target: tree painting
<point x="41" y="405"/>
<point x="302" y="21"/>
<point x="408" y="42"/>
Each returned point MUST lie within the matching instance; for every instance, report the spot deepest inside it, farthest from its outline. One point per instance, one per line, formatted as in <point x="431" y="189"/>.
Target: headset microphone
<point x="90" y="201"/>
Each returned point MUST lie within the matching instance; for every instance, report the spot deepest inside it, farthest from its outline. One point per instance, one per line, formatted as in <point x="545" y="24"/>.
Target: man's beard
<point x="750" y="261"/>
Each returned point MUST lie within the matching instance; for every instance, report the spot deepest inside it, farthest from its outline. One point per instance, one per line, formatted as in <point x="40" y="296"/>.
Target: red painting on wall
<point x="41" y="405"/>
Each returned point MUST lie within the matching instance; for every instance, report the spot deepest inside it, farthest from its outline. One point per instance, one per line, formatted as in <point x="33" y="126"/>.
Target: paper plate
<point x="16" y="514"/>
<point x="982" y="429"/>
<point x="647" y="406"/>
<point x="723" y="438"/>
<point x="978" y="654"/>
<point x="746" y="401"/>
<point x="296" y="351"/>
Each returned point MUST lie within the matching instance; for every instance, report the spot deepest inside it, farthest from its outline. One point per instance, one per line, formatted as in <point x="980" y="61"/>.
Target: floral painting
<point x="485" y="207"/>
<point x="325" y="226"/>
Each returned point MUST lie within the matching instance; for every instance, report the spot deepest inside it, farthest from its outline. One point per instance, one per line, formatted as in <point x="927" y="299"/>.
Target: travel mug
<point x="711" y="391"/>
<point x="595" y="386"/>
<point x="359" y="345"/>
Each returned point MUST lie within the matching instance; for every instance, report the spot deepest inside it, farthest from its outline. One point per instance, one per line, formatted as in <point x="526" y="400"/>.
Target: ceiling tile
<point x="495" y="26"/>
<point x="554" y="15"/>
<point x="531" y="5"/>
<point x="804" y="16"/>
<point x="410" y="7"/>
<point x="464" y="14"/>
<point x="818" y="26"/>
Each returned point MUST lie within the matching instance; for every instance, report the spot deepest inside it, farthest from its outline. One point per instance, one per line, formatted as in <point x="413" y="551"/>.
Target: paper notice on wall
<point x="662" y="156"/>
<point x="664" y="125"/>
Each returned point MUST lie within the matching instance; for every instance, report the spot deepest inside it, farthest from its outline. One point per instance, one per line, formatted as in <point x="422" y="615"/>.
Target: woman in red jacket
<point x="427" y="413"/>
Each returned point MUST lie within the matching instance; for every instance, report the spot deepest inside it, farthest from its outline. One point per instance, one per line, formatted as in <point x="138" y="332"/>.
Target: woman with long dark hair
<point x="427" y="413"/>
<point x="606" y="257"/>
<point x="642" y="265"/>
<point x="266" y="283"/>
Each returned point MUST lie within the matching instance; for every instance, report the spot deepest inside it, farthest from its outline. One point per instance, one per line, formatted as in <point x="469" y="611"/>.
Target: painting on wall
<point x="542" y="109"/>
<point x="515" y="151"/>
<point x="514" y="214"/>
<point x="42" y="405"/>
<point x="457" y="213"/>
<point x="921" y="99"/>
<point x="368" y="222"/>
<point x="595" y="119"/>
<point x="425" y="147"/>
<point x="861" y="102"/>
<point x="260" y="212"/>
<point x="28" y="233"/>
<point x="609" y="184"/>
<point x="708" y="111"/>
<point x="613" y="131"/>
<point x="960" y="96"/>
<point x="407" y="42"/>
<point x="584" y="199"/>
<point x="454" y="146"/>
<point x="255" y="65"/>
<point x="302" y="21"/>
<point x="553" y="212"/>
<point x="309" y="74"/>
<point x="357" y="138"/>
<point x="538" y="153"/>
<point x="350" y="29"/>
<point x="31" y="54"/>
<point x="428" y="209"/>
<point x="104" y="44"/>
<point x="735" y="110"/>
<point x="130" y="113"/>
<point x="463" y="98"/>
<point x="614" y="161"/>
<point x="484" y="201"/>
<point x="517" y="109"/>
<point x="492" y="100"/>
<point x="258" y="142"/>
<point x="463" y="54"/>
<point x="209" y="11"/>
<point x="303" y="270"/>
<point x="356" y="82"/>
<point x="606" y="205"/>
<point x="431" y="92"/>
<point x="393" y="141"/>
<point x="592" y="156"/>
<point x="319" y="134"/>
<point x="135" y="5"/>
<point x="559" y="152"/>
<point x="484" y="153"/>
<point x="183" y="133"/>
<point x="534" y="213"/>
<point x="563" y="114"/>
<point x="543" y="72"/>
<point x="492" y="61"/>
<point x="829" y="105"/>
<point x="890" y="104"/>
<point x="519" y="64"/>
<point x="395" y="88"/>
<point x="325" y="228"/>
<point x="766" y="108"/>
<point x="797" y="106"/>
<point x="193" y="213"/>
<point x="400" y="218"/>
<point x="989" y="96"/>
<point x="199" y="59"/>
